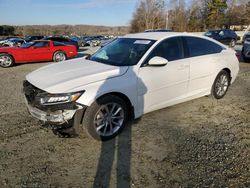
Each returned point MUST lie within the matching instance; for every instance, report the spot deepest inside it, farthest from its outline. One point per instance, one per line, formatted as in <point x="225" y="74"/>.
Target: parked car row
<point x="92" y="41"/>
<point x="10" y="42"/>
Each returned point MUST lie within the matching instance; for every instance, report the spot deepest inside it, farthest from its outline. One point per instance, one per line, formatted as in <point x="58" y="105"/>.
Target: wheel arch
<point x="123" y="97"/>
<point x="9" y="55"/>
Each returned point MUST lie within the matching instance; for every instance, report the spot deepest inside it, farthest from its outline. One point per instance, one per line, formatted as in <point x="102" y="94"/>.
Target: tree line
<point x="59" y="30"/>
<point x="197" y="15"/>
<point x="6" y="30"/>
<point x="178" y="15"/>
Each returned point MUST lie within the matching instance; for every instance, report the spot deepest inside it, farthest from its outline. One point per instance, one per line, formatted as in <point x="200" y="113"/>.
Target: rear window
<point x="198" y="46"/>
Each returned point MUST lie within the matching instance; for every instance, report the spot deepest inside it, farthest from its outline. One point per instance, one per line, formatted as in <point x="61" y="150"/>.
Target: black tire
<point x="92" y="112"/>
<point x="219" y="89"/>
<point x="59" y="56"/>
<point x="9" y="60"/>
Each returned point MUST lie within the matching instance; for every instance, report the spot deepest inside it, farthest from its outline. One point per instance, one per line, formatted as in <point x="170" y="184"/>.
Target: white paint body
<point x="148" y="88"/>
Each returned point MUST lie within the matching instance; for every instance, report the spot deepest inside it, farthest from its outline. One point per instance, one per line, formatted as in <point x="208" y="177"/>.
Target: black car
<point x="82" y="41"/>
<point x="225" y="36"/>
<point x="64" y="41"/>
<point x="32" y="38"/>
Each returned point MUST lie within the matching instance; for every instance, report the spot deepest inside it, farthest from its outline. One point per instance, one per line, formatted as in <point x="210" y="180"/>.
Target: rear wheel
<point x="59" y="56"/>
<point x="221" y="84"/>
<point x="6" y="60"/>
<point x="106" y="117"/>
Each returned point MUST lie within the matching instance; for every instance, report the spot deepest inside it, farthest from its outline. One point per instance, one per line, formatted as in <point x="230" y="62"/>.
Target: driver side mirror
<point x="157" y="61"/>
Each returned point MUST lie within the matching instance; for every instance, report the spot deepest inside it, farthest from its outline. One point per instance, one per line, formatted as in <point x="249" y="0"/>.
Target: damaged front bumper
<point x="54" y="114"/>
<point x="57" y="117"/>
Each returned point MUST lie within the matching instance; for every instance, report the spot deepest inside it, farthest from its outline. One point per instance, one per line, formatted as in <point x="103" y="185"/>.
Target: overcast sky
<point x="93" y="12"/>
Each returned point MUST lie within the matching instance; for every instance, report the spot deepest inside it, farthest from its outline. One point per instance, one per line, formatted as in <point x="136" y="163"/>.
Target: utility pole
<point x="167" y="20"/>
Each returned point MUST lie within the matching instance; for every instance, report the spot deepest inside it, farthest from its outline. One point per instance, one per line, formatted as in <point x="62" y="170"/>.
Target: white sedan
<point x="131" y="76"/>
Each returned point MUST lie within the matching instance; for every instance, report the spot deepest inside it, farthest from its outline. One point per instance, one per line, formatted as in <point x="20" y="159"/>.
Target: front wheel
<point x="221" y="85"/>
<point x="6" y="60"/>
<point x="59" y="56"/>
<point x="106" y="117"/>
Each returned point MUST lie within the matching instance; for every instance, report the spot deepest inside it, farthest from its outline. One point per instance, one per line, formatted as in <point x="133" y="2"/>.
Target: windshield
<point x="27" y="45"/>
<point x="122" y="52"/>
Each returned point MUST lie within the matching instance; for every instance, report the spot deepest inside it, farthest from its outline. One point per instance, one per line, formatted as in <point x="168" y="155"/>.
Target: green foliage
<point x="216" y="13"/>
<point x="6" y="30"/>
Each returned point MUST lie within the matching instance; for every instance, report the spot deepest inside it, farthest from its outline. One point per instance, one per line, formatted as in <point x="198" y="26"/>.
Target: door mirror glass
<point x="157" y="61"/>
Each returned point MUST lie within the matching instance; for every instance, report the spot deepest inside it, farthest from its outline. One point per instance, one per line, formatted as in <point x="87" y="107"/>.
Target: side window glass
<point x="58" y="44"/>
<point x="170" y="49"/>
<point x="199" y="46"/>
<point x="221" y="33"/>
<point x="41" y="44"/>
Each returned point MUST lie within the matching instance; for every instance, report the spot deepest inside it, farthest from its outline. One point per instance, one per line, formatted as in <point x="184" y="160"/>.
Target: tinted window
<point x="41" y="44"/>
<point x="58" y="44"/>
<point x="170" y="49"/>
<point x="198" y="46"/>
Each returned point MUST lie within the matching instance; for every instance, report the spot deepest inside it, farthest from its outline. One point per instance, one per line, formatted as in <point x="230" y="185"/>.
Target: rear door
<point x="203" y="56"/>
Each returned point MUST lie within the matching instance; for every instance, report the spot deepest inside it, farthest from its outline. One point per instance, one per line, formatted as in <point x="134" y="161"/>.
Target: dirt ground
<point x="200" y="143"/>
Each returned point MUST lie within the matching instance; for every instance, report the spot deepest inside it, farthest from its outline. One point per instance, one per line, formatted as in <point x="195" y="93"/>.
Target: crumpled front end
<point x="55" y="113"/>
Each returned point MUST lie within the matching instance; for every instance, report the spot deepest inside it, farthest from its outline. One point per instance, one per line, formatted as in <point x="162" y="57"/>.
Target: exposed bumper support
<point x="58" y="117"/>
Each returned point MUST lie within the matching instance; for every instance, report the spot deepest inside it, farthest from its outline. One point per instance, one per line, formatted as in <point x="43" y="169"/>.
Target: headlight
<point x="50" y="99"/>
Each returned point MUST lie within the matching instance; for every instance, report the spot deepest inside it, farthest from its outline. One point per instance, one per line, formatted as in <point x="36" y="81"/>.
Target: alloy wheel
<point x="221" y="85"/>
<point x="60" y="57"/>
<point x="109" y="119"/>
<point x="5" y="61"/>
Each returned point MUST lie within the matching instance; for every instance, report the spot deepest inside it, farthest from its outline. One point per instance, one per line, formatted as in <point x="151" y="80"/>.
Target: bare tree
<point x="149" y="14"/>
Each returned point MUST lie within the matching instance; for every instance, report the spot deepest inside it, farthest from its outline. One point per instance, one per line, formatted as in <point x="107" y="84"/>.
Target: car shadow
<point x="115" y="154"/>
<point x="120" y="148"/>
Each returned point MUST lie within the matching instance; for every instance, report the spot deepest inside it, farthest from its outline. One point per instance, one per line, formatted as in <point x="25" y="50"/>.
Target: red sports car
<point x="36" y="51"/>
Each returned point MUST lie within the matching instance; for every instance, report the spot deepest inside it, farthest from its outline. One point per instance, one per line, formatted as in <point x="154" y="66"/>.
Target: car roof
<point x="43" y="40"/>
<point x="158" y="35"/>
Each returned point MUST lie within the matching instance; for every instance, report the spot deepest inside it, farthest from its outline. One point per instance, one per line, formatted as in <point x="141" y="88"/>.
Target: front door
<point x="161" y="86"/>
<point x="40" y="51"/>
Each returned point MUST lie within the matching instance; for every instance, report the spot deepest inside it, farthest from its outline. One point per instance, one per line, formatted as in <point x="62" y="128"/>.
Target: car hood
<point x="67" y="76"/>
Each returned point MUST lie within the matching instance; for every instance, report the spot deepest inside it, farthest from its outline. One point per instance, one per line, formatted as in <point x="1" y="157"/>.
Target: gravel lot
<point x="200" y="143"/>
